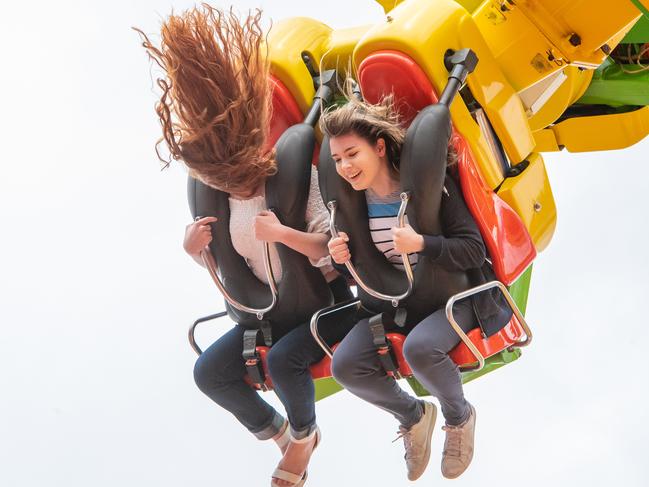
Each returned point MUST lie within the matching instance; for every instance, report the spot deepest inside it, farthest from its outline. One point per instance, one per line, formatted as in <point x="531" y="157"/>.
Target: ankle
<point x="303" y="436"/>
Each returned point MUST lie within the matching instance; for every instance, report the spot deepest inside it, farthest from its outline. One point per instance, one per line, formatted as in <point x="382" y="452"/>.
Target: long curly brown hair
<point x="215" y="105"/>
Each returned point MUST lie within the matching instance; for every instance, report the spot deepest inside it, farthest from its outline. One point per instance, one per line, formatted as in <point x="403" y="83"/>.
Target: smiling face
<point x="360" y="163"/>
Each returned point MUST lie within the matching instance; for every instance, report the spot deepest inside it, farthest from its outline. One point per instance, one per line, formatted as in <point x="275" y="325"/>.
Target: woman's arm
<point x="460" y="247"/>
<point x="268" y="228"/>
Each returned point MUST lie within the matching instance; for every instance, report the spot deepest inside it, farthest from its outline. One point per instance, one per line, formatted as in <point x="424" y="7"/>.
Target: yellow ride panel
<point x="532" y="39"/>
<point x="603" y="132"/>
<point x="286" y="41"/>
<point x="530" y="195"/>
<point x="424" y="30"/>
<point x="573" y="87"/>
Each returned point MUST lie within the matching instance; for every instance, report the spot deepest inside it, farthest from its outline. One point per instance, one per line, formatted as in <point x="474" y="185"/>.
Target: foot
<point x="458" y="447"/>
<point x="416" y="439"/>
<point x="296" y="459"/>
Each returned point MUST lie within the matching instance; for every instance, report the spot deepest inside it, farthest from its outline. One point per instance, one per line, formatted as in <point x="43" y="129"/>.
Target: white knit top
<point x="242" y="217"/>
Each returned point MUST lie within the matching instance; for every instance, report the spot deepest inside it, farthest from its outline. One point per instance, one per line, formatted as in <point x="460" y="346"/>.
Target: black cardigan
<point x="461" y="248"/>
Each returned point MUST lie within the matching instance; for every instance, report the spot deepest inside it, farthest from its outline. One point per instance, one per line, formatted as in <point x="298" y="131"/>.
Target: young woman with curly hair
<point x="215" y="114"/>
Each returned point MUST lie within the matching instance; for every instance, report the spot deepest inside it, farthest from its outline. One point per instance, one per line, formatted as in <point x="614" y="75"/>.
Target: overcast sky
<point x="96" y="295"/>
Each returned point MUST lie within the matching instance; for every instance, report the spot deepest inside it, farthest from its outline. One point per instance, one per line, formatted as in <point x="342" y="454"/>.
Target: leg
<point x="288" y="363"/>
<point x="356" y="366"/>
<point x="426" y="351"/>
<point x="219" y="373"/>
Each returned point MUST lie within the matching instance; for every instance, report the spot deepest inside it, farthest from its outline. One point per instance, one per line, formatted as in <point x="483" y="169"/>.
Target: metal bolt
<point x="575" y="40"/>
<point x="537" y="206"/>
<point x="606" y="49"/>
<point x="389" y="18"/>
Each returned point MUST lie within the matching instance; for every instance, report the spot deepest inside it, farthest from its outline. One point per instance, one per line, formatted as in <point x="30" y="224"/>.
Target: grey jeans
<point x="356" y="366"/>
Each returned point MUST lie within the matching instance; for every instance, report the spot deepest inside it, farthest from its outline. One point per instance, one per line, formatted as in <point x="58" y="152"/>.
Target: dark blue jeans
<point x="220" y="370"/>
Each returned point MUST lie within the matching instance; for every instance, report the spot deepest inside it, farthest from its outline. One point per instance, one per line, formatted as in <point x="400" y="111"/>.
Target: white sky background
<point x="96" y="295"/>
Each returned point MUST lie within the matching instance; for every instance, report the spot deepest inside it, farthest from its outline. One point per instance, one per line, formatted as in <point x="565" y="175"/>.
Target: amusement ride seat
<point x="509" y="245"/>
<point x="291" y="134"/>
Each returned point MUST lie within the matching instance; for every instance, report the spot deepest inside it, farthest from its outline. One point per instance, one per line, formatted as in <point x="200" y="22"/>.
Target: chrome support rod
<point x="213" y="269"/>
<point x="324" y="312"/>
<point x="394" y="299"/>
<point x="192" y="329"/>
<point x="463" y="336"/>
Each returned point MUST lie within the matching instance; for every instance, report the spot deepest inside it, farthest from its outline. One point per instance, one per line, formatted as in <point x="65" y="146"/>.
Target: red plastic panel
<point x="285" y="111"/>
<point x="461" y="355"/>
<point x="505" y="338"/>
<point x="508" y="241"/>
<point x="388" y="72"/>
<point x="285" y="114"/>
<point x="322" y="369"/>
<point x="397" y="340"/>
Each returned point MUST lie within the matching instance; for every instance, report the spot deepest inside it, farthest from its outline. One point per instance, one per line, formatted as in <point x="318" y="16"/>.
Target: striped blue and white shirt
<point x="382" y="212"/>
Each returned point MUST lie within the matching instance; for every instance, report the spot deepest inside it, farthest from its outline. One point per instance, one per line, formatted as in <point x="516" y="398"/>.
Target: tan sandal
<point x="283" y="437"/>
<point x="294" y="479"/>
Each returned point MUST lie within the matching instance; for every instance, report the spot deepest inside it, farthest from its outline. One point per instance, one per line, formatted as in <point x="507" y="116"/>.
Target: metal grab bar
<point x="213" y="269"/>
<point x="327" y="311"/>
<point x="192" y="329"/>
<point x="463" y="336"/>
<point x="394" y="299"/>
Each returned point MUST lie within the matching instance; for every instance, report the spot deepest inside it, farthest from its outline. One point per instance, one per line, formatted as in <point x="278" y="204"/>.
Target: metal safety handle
<point x="394" y="299"/>
<point x="327" y="311"/>
<point x="463" y="336"/>
<point x="213" y="269"/>
<point x="192" y="329"/>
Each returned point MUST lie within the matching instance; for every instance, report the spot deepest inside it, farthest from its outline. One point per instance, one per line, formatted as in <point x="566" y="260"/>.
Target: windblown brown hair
<point x="371" y="122"/>
<point x="215" y="105"/>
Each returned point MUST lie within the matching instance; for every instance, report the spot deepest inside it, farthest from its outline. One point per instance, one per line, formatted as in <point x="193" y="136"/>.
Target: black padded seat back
<point x="302" y="290"/>
<point x="423" y="170"/>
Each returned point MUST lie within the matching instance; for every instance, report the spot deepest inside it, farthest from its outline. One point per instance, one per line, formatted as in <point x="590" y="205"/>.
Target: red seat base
<point x="507" y="337"/>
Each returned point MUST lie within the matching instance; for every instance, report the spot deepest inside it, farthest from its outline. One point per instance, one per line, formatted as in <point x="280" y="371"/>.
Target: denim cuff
<point x="272" y="429"/>
<point x="301" y="434"/>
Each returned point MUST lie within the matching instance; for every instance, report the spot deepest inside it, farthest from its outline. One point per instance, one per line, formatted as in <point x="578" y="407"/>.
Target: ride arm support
<point x="461" y="246"/>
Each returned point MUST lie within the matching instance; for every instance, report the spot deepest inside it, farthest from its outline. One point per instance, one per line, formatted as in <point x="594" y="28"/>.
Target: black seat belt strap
<point x="254" y="366"/>
<point x="383" y="345"/>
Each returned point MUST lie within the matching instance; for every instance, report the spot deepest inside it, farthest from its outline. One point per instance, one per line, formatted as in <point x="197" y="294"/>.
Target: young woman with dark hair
<point x="366" y="142"/>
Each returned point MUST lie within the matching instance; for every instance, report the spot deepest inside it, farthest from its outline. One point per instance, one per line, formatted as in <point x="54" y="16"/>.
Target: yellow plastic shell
<point x="571" y="90"/>
<point x="530" y="195"/>
<point x="290" y="38"/>
<point x="424" y="30"/>
<point x="287" y="40"/>
<point x="603" y="132"/>
<point x="532" y="39"/>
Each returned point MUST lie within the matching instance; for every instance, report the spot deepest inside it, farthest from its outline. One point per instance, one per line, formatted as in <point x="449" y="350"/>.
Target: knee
<point x="419" y="354"/>
<point x="344" y="368"/>
<point x="206" y="376"/>
<point x="277" y="361"/>
<point x="201" y="374"/>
